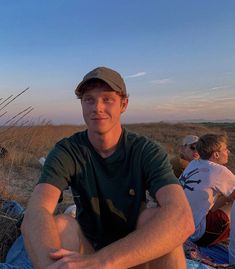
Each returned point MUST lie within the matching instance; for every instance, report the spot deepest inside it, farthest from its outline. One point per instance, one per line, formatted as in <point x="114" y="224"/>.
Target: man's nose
<point x="98" y="105"/>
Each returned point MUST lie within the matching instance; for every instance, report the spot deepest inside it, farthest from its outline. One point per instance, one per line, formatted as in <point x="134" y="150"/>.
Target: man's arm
<point x="169" y="228"/>
<point x="38" y="227"/>
<point x="223" y="201"/>
<point x="171" y="225"/>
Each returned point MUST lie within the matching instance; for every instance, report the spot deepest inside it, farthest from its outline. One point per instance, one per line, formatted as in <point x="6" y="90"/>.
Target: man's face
<point x="189" y="152"/>
<point x="222" y="154"/>
<point x="102" y="109"/>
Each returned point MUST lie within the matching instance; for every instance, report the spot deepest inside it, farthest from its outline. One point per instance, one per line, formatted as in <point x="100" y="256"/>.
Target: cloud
<point x="161" y="81"/>
<point x="139" y="74"/>
<point x="216" y="88"/>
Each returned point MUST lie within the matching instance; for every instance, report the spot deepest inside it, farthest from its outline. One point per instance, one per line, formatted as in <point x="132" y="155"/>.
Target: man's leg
<point x="175" y="259"/>
<point x="71" y="235"/>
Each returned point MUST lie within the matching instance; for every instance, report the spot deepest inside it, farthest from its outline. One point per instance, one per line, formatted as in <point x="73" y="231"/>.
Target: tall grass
<point x="20" y="169"/>
<point x="26" y="144"/>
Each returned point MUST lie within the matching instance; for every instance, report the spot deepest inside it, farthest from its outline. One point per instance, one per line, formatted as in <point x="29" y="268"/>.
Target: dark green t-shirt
<point x="108" y="192"/>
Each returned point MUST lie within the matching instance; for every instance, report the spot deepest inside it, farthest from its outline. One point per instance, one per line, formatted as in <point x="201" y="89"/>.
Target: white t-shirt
<point x="203" y="181"/>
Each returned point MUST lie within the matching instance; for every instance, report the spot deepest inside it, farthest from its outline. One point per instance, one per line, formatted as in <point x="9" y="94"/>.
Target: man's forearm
<point x="159" y="236"/>
<point x="40" y="236"/>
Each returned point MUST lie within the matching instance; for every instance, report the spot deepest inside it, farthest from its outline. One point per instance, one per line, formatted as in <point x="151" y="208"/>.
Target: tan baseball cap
<point x="190" y="139"/>
<point x="111" y="77"/>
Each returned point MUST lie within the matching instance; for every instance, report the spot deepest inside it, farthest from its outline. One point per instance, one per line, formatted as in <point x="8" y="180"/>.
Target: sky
<point x="177" y="57"/>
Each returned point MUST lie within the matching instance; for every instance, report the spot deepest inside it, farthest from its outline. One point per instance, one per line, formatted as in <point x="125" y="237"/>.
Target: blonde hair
<point x="209" y="143"/>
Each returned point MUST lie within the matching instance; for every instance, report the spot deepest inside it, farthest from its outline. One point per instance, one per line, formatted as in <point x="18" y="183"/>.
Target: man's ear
<point x="124" y="104"/>
<point x="216" y="154"/>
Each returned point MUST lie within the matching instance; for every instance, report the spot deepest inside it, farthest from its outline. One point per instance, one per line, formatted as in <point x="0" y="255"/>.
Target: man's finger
<point x="60" y="253"/>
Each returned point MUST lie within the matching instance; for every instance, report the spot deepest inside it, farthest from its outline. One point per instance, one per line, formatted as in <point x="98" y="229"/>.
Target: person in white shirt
<point x="209" y="187"/>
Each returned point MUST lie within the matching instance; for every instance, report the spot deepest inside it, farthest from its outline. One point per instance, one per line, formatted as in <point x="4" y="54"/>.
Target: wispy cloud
<point x="217" y="88"/>
<point x="161" y="81"/>
<point x="139" y="74"/>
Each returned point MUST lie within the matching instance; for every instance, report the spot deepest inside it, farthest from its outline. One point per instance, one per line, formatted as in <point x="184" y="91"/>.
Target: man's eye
<point x="88" y="100"/>
<point x="108" y="100"/>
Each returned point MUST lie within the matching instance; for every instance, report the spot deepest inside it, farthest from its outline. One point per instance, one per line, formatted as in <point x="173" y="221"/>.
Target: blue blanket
<point x="207" y="257"/>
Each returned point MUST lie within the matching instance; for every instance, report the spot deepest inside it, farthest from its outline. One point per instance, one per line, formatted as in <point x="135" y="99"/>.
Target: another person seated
<point x="109" y="170"/>
<point x="209" y="186"/>
<point x="187" y="153"/>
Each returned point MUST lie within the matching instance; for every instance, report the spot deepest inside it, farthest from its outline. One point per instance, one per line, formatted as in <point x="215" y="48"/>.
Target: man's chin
<point x="99" y="130"/>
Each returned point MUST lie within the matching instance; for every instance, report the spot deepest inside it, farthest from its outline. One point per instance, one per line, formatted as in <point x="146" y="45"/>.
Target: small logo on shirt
<point x="186" y="182"/>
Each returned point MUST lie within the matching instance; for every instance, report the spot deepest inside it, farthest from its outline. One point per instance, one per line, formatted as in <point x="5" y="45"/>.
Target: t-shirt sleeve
<point x="59" y="167"/>
<point x="157" y="168"/>
<point x="225" y="181"/>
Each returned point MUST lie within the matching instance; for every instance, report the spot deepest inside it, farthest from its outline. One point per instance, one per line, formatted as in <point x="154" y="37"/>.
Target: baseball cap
<point x="190" y="139"/>
<point x="111" y="77"/>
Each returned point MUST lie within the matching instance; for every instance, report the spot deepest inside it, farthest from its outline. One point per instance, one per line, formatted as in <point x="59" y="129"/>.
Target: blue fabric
<point x="17" y="257"/>
<point x="197" y="265"/>
<point x="12" y="208"/>
<point x="215" y="256"/>
<point x="218" y="253"/>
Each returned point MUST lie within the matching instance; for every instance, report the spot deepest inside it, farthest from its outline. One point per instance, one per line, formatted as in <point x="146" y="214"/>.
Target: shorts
<point x="17" y="258"/>
<point x="217" y="228"/>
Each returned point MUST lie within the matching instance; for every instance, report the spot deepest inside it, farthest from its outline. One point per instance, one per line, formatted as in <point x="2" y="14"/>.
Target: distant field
<point x="20" y="170"/>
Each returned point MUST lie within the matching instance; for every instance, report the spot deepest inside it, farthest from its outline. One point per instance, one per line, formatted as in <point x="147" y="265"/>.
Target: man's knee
<point x="71" y="234"/>
<point x="66" y="223"/>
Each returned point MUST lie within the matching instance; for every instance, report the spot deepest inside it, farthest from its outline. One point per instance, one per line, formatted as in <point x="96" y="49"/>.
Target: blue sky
<point x="177" y="57"/>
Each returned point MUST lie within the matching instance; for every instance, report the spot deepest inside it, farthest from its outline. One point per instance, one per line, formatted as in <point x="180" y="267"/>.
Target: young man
<point x="188" y="152"/>
<point x="209" y="186"/>
<point x="108" y="169"/>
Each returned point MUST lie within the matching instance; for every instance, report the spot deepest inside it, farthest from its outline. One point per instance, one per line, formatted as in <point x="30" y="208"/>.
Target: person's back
<point x="204" y="181"/>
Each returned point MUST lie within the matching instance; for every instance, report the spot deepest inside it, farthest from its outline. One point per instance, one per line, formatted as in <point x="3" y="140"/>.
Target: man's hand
<point x="66" y="259"/>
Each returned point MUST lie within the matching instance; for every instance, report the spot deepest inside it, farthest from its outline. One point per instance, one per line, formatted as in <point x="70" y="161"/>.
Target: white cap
<point x="190" y="139"/>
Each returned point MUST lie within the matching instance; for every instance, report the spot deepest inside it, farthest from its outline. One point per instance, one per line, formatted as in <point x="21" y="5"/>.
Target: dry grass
<point x="19" y="172"/>
<point x="9" y="231"/>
